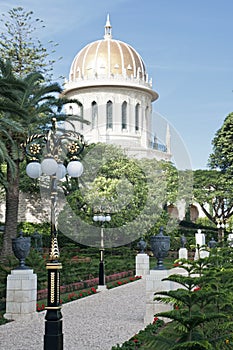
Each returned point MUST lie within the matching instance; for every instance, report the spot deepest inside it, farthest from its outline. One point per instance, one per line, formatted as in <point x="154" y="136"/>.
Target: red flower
<point x="135" y="340"/>
<point x="196" y="289"/>
<point x="155" y="320"/>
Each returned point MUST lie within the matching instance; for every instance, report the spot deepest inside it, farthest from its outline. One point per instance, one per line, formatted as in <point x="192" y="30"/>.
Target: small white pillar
<point x="200" y="241"/>
<point x="183" y="253"/>
<point x="142" y="264"/>
<point x="21" y="295"/>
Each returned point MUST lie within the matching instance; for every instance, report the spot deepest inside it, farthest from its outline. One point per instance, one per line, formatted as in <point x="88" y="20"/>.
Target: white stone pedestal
<point x="183" y="253"/>
<point x="102" y="288"/>
<point x="155" y="284"/>
<point x="142" y="264"/>
<point x="200" y="241"/>
<point x="21" y="295"/>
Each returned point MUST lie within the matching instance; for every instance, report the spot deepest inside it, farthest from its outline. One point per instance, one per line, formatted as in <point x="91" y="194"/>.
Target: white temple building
<point x="110" y="80"/>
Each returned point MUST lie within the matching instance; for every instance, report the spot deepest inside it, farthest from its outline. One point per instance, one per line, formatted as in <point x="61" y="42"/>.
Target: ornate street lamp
<point x="101" y="218"/>
<point x="62" y="152"/>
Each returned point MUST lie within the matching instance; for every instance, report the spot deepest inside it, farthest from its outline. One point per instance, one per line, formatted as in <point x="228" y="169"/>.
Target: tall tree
<point x="213" y="189"/>
<point x="35" y="103"/>
<point x="214" y="192"/>
<point x="133" y="191"/>
<point x="222" y="156"/>
<point x="20" y="44"/>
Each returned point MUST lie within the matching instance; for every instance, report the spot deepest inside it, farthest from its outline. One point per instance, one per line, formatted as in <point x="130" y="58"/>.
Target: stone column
<point x="183" y="253"/>
<point x="200" y="241"/>
<point x="21" y="295"/>
<point x="142" y="264"/>
<point x="155" y="284"/>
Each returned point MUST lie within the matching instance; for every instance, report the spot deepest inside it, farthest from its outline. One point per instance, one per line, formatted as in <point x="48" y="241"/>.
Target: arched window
<point x="193" y="213"/>
<point x="94" y="114"/>
<point x="109" y="115"/>
<point x="124" y="115"/>
<point x="137" y="117"/>
<point x="81" y="116"/>
<point x="173" y="211"/>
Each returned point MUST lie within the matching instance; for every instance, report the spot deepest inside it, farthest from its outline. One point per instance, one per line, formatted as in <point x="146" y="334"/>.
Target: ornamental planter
<point x="160" y="246"/>
<point x="21" y="248"/>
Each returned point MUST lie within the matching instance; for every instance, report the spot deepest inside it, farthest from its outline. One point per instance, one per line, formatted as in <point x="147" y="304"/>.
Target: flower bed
<point x="120" y="283"/>
<point x="42" y="294"/>
<point x="67" y="297"/>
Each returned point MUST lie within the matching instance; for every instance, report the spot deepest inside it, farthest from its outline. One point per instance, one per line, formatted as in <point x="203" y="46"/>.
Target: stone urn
<point x="21" y="248"/>
<point x="160" y="246"/>
<point x="142" y="246"/>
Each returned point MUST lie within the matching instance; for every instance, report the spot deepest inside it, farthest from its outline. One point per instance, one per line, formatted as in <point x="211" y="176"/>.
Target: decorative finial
<point x="54" y="250"/>
<point x="108" y="29"/>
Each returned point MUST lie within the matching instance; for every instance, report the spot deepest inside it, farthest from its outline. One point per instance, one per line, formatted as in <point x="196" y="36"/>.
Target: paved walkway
<point x="96" y="322"/>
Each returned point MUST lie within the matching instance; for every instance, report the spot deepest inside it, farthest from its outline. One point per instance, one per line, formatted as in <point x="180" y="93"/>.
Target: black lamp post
<point x="61" y="147"/>
<point x="221" y="225"/>
<point x="101" y="218"/>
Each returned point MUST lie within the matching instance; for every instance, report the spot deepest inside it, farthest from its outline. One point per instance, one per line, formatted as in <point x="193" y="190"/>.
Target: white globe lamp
<point x="33" y="170"/>
<point x="49" y="166"/>
<point x="75" y="168"/>
<point x="61" y="171"/>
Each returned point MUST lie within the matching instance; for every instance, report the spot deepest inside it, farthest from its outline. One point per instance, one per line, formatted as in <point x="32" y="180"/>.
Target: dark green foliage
<point x="202" y="315"/>
<point x="202" y="318"/>
<point x="35" y="104"/>
<point x="189" y="229"/>
<point x="142" y="339"/>
<point x="5" y="269"/>
<point x="133" y="191"/>
<point x="222" y="155"/>
<point x="215" y="188"/>
<point x="35" y="260"/>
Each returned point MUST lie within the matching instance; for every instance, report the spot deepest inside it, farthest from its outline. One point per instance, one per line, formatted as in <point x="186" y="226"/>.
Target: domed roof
<point x="106" y="58"/>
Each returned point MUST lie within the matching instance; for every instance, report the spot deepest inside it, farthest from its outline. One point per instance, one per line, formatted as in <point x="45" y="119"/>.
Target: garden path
<point x="96" y="322"/>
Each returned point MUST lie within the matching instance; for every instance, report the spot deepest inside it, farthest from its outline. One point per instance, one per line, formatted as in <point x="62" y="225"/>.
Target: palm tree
<point x="31" y="105"/>
<point x="8" y="87"/>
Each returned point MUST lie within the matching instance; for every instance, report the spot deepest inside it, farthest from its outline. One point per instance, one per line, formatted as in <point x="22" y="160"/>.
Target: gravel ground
<point x="96" y="322"/>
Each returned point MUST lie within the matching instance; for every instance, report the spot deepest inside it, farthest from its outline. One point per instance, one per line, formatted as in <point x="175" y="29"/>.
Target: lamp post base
<point x="53" y="338"/>
<point x="101" y="269"/>
<point x="101" y="288"/>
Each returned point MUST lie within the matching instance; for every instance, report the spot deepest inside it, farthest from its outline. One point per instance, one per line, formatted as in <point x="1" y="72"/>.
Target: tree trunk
<point x="12" y="202"/>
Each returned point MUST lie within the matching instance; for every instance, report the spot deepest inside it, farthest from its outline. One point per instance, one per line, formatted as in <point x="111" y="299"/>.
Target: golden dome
<point x="108" y="58"/>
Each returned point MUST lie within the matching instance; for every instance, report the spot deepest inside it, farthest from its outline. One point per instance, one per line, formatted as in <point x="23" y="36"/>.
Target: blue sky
<point x="185" y="44"/>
